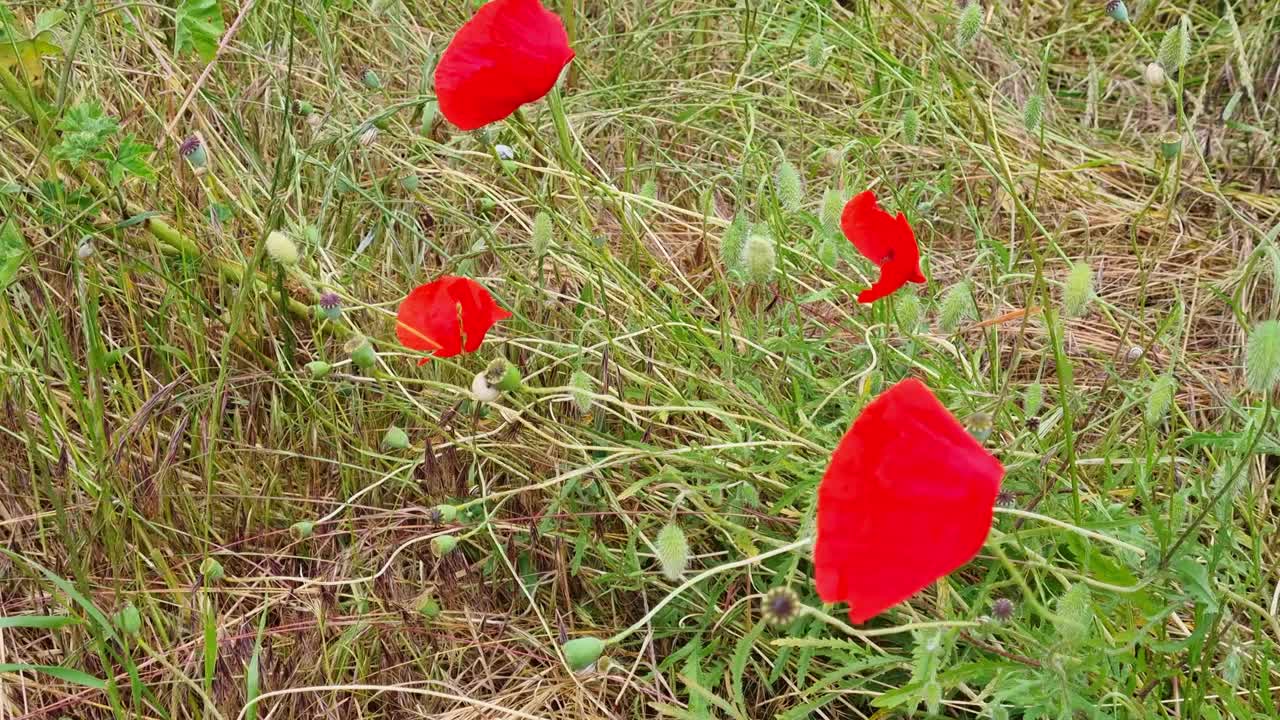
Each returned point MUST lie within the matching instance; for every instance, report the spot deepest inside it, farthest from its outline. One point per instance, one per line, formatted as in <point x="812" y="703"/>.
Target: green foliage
<point x="198" y="27"/>
<point x="1159" y="398"/>
<point x="13" y="250"/>
<point x="1074" y="615"/>
<point x="1033" y="113"/>
<point x="970" y="23"/>
<point x="1262" y="357"/>
<point x="543" y="230"/>
<point x="85" y="132"/>
<point x="1077" y="292"/>
<point x="130" y="158"/>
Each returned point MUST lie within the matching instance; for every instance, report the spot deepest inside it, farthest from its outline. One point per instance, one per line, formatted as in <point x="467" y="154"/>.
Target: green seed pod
<point x="319" y="368"/>
<point x="129" y="620"/>
<point x="503" y="375"/>
<point x="832" y="208"/>
<point x="956" y="307"/>
<point x="212" y="570"/>
<point x="1116" y="10"/>
<point x="429" y="608"/>
<point x="361" y="351"/>
<point x="970" y="24"/>
<point x="673" y="551"/>
<point x="1033" y="113"/>
<point x="371" y="79"/>
<point x="580" y="386"/>
<point x="732" y="242"/>
<point x="448" y="513"/>
<point x="759" y="258"/>
<point x="789" y="185"/>
<point x="1159" y="399"/>
<point x="409" y="182"/>
<point x="395" y="439"/>
<point x="582" y="652"/>
<point x="1077" y="293"/>
<point x="1170" y="145"/>
<point x="302" y="529"/>
<point x="303" y="107"/>
<point x="1262" y="357"/>
<point x="543" y="229"/>
<point x="442" y="545"/>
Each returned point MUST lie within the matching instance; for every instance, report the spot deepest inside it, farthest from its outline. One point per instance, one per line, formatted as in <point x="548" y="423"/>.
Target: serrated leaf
<point x="131" y="159"/>
<point x="85" y="129"/>
<point x="13" y="248"/>
<point x="198" y="27"/>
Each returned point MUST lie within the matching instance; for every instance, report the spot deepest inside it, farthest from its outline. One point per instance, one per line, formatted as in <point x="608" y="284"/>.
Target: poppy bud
<point x="448" y="513"/>
<point x="395" y="439"/>
<point x="829" y="250"/>
<point x="409" y="182"/>
<point x="361" y="352"/>
<point x="759" y="258"/>
<point x="649" y="190"/>
<point x="580" y="386"/>
<point x="732" y="242"/>
<point x="1116" y="10"/>
<point x="970" y="23"/>
<point x="442" y="545"/>
<point x="1074" y="614"/>
<point x="540" y="240"/>
<point x="302" y="529"/>
<point x="980" y="426"/>
<point x="789" y="186"/>
<point x="371" y="79"/>
<point x="1159" y="399"/>
<point x="815" y="55"/>
<point x="673" y="551"/>
<point x="193" y="150"/>
<point x="1175" y="47"/>
<point x="85" y="249"/>
<point x="503" y="375"/>
<point x="907" y="312"/>
<point x="780" y="606"/>
<point x="281" y="248"/>
<point x="129" y="620"/>
<point x="429" y="608"/>
<point x="910" y="126"/>
<point x="956" y="306"/>
<point x="1170" y="145"/>
<point x="1078" y="290"/>
<point x="1033" y="399"/>
<point x="1033" y="113"/>
<point x="481" y="391"/>
<point x="212" y="570"/>
<point x="832" y="207"/>
<point x="319" y="368"/>
<point x="1154" y="75"/>
<point x="582" y="652"/>
<point x="1262" y="357"/>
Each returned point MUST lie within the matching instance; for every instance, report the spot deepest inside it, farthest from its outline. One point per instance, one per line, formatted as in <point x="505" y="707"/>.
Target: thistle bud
<point x="1002" y="609"/>
<point x="395" y="439"/>
<point x="581" y="653"/>
<point x="281" y="248"/>
<point x="673" y="551"/>
<point x="759" y="257"/>
<point x="442" y="545"/>
<point x="1262" y="357"/>
<point x="1154" y="75"/>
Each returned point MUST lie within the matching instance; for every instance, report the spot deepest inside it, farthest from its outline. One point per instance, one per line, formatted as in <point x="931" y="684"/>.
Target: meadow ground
<point x="197" y="525"/>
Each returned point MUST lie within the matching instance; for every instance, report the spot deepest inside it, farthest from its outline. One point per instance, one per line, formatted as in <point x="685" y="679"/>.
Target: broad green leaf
<point x="131" y="159"/>
<point x="48" y="20"/>
<point x="70" y="675"/>
<point x="42" y="622"/>
<point x="198" y="27"/>
<point x="26" y="54"/>
<point x="12" y="250"/>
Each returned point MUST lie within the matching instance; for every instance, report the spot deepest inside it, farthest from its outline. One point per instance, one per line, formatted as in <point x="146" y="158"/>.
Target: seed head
<point x="1002" y="609"/>
<point x="781" y="605"/>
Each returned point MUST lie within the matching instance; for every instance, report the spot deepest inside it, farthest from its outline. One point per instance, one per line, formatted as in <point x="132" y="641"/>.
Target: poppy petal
<point x="908" y="497"/>
<point x="435" y="316"/>
<point x="509" y="53"/>
<point x="885" y="240"/>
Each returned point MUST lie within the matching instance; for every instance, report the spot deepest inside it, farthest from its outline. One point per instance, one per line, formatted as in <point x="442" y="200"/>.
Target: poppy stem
<point x="1073" y="528"/>
<point x="798" y="544"/>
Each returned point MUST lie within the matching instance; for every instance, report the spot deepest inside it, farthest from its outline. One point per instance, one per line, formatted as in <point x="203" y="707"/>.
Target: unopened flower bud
<point x="581" y="653"/>
<point x="481" y="391"/>
<point x="1154" y="74"/>
<point x="281" y="248"/>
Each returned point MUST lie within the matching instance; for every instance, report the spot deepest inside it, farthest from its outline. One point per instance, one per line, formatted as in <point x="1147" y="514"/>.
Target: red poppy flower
<point x="908" y="498"/>
<point x="510" y="53"/>
<point x="447" y="316"/>
<point x="884" y="240"/>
